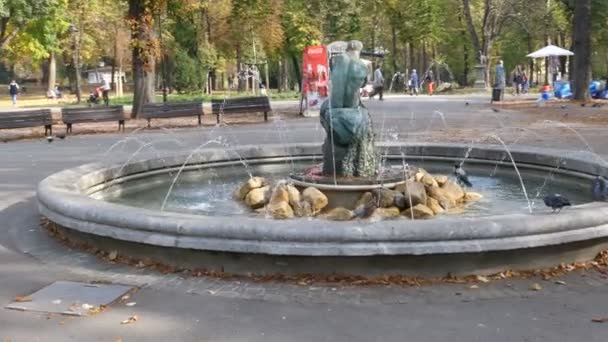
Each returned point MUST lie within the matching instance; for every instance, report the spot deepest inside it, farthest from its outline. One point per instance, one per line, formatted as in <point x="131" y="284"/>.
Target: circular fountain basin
<point x="118" y="208"/>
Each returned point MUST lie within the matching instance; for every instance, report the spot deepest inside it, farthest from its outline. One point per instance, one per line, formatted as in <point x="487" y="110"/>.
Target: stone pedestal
<point x="480" y="75"/>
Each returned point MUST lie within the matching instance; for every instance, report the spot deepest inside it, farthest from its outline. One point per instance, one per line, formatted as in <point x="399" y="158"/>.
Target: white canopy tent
<point x="550" y="51"/>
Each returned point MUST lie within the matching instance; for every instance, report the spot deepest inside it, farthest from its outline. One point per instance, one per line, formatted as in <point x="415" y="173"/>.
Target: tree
<point x="145" y="50"/>
<point x="490" y="23"/>
<point x="16" y="14"/>
<point x="582" y="49"/>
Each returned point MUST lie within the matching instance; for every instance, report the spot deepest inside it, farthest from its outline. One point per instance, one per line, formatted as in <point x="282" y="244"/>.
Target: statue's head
<point x="354" y="47"/>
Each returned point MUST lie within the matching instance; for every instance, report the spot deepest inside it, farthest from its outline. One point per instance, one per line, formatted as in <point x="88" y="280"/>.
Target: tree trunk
<point x="52" y="73"/>
<point x="394" y="52"/>
<point x="582" y="49"/>
<point x="531" y="73"/>
<point x="143" y="56"/>
<point x="296" y="69"/>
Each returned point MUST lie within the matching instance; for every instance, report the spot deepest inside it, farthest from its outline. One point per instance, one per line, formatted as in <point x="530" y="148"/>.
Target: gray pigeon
<point x="461" y="175"/>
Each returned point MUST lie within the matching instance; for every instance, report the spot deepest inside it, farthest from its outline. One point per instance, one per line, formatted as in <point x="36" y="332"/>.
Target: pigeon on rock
<point x="461" y="175"/>
<point x="556" y="202"/>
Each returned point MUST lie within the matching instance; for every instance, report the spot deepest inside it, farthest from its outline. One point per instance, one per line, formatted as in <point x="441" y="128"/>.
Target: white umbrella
<point x="550" y="51"/>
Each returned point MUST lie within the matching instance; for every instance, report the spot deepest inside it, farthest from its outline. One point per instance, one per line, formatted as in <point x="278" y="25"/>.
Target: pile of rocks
<point x="422" y="196"/>
<point x="281" y="201"/>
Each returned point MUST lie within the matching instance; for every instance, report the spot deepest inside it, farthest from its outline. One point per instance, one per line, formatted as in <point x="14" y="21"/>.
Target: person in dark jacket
<point x="13" y="90"/>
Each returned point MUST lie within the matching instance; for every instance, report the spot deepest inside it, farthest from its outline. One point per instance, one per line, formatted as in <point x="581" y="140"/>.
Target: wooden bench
<point x="254" y="104"/>
<point x="71" y="116"/>
<point x="172" y="110"/>
<point x="28" y="118"/>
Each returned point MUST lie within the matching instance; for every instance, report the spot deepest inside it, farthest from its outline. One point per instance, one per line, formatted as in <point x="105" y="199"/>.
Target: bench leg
<point x="218" y="118"/>
<point x="265" y="116"/>
<point x="48" y="130"/>
<point x="121" y="123"/>
<point x="199" y="120"/>
<point x="68" y="129"/>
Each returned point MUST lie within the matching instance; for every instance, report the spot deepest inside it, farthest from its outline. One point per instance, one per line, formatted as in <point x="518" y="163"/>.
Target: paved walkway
<point x="174" y="308"/>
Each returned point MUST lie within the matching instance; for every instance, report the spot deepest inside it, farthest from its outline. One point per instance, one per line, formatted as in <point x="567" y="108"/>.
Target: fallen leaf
<point x="482" y="279"/>
<point x="113" y="255"/>
<point x="129" y="320"/>
<point x="22" y="299"/>
<point x="118" y="339"/>
<point x="473" y="287"/>
<point x="600" y="320"/>
<point x="560" y="282"/>
<point x="130" y="304"/>
<point x="56" y="301"/>
<point x="87" y="306"/>
<point x="536" y="287"/>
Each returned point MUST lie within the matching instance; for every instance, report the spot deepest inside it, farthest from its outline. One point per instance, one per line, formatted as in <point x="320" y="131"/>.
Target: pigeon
<point x="49" y="139"/>
<point x="60" y="136"/>
<point x="583" y="105"/>
<point x="365" y="210"/>
<point x="556" y="202"/>
<point x="461" y="175"/>
<point x="596" y="105"/>
<point x="599" y="189"/>
<point x="563" y="106"/>
<point x="466" y="103"/>
<point x="495" y="110"/>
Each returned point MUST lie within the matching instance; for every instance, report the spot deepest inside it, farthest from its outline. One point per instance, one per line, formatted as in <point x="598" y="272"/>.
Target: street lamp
<point x="76" y="59"/>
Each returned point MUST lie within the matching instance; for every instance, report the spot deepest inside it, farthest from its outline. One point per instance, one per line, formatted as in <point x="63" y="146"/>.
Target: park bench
<point x="254" y="104"/>
<point x="172" y="110"/>
<point x="71" y="116"/>
<point x="28" y="118"/>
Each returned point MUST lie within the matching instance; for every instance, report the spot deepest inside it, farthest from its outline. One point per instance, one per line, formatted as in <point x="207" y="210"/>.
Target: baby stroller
<point x="94" y="97"/>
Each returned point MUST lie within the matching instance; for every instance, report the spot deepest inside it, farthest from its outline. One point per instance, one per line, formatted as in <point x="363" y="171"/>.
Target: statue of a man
<point x="348" y="149"/>
<point x="482" y="58"/>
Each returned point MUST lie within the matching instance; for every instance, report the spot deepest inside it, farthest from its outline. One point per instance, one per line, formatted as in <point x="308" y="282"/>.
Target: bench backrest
<point x="26" y="118"/>
<point x="93" y="114"/>
<point x="241" y="105"/>
<point x="172" y="110"/>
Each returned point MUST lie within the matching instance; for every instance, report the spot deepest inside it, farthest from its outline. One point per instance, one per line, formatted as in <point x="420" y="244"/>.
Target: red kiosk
<point x="315" y="79"/>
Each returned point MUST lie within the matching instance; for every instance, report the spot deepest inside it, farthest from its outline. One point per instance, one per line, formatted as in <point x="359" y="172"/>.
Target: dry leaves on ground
<point x="129" y="320"/>
<point x="22" y="299"/>
<point x="600" y="320"/>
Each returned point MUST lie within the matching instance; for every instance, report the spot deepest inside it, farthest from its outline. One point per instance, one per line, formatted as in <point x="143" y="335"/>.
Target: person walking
<point x="428" y="79"/>
<point x="13" y="90"/>
<point x="378" y="83"/>
<point x="105" y="91"/>
<point x="500" y="79"/>
<point x="517" y="79"/>
<point x="413" y="83"/>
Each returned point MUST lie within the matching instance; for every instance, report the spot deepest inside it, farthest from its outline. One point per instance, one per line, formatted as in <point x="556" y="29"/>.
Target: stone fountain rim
<point x="63" y="198"/>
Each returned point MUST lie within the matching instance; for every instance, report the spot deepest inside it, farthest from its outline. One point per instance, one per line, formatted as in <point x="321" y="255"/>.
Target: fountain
<point x="180" y="209"/>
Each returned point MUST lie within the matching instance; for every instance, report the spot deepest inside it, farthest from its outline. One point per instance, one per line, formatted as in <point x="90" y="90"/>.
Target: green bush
<point x="186" y="77"/>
